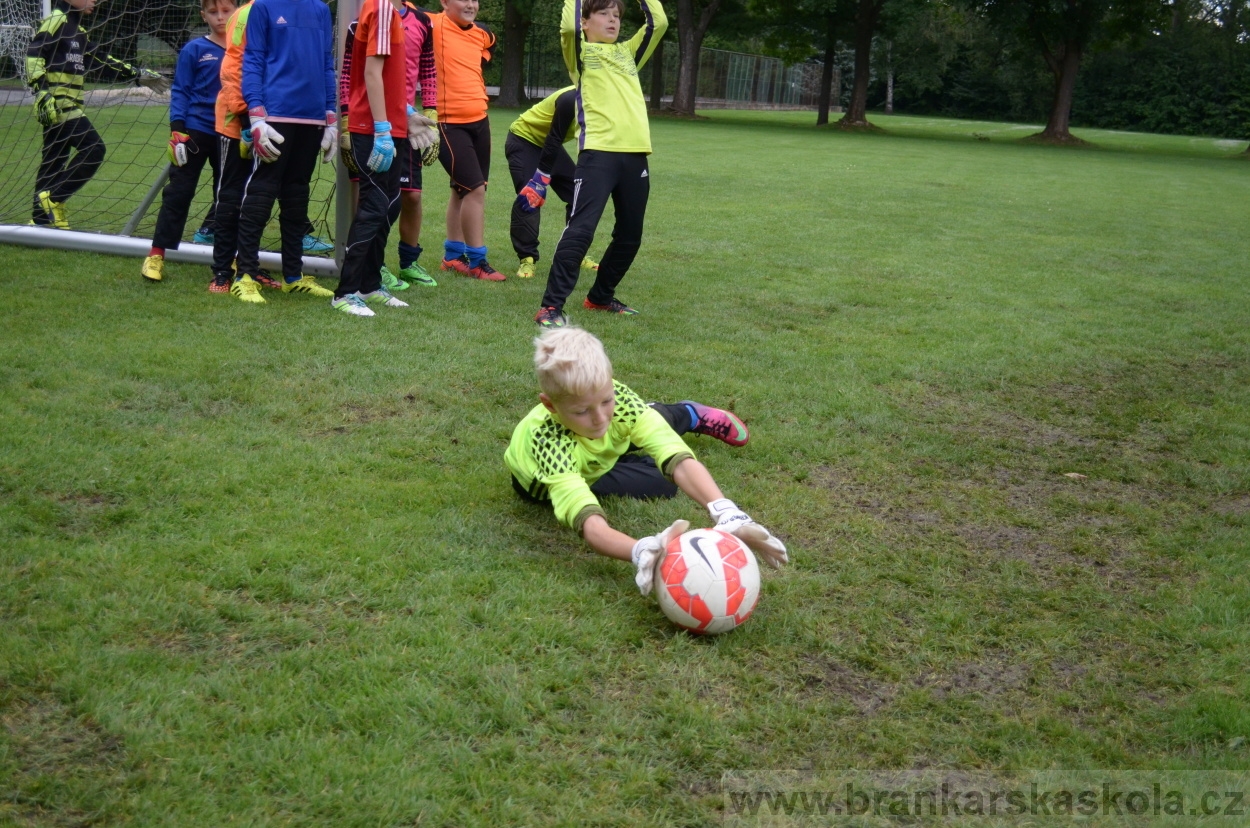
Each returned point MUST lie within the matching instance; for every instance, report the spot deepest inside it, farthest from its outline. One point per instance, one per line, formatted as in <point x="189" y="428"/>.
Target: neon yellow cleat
<point x="307" y="284"/>
<point x="525" y="270"/>
<point x="56" y="209"/>
<point x="248" y="291"/>
<point x="153" y="268"/>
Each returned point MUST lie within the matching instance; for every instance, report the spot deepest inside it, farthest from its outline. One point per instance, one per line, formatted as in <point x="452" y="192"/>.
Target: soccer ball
<point x="708" y="581"/>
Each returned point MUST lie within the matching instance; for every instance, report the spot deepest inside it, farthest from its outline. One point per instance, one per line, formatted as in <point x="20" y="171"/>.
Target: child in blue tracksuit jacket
<point x="192" y="136"/>
<point x="289" y="86"/>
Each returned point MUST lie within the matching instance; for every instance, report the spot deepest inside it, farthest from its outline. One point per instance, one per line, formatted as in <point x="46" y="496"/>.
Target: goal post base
<point x="48" y="237"/>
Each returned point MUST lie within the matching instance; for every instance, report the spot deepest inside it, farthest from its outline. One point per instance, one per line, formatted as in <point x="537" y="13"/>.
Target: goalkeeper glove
<point x="245" y="145"/>
<point x="729" y="518"/>
<point x="178" y="147"/>
<point x="345" y="154"/>
<point x="534" y="194"/>
<point x="421" y="130"/>
<point x="330" y="138"/>
<point x="45" y="108"/>
<point x="265" y="139"/>
<point x="383" y="148"/>
<point x="431" y="152"/>
<point x="154" y="81"/>
<point x="648" y="552"/>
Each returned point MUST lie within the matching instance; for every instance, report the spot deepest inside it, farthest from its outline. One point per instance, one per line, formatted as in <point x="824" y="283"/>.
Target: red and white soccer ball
<point x="708" y="581"/>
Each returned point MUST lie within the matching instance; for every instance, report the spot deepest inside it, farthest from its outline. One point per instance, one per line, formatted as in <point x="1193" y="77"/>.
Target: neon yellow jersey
<point x="610" y="105"/>
<point x="552" y="463"/>
<point x="535" y="123"/>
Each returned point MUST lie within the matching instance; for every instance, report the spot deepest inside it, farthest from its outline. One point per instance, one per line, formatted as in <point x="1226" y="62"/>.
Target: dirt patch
<point x="994" y="675"/>
<point x="1233" y="506"/>
<point x="58" y="757"/>
<point x="866" y="694"/>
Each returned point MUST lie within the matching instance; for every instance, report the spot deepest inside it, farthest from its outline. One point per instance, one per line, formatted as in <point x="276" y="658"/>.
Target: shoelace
<point x="720" y="427"/>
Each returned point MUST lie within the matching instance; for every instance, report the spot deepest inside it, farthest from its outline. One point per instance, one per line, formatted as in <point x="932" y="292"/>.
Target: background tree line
<point x="1176" y="66"/>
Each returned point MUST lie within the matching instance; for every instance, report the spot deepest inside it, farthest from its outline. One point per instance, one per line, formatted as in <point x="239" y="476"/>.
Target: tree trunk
<point x="689" y="41"/>
<point x="865" y="24"/>
<point x="889" y="78"/>
<point x="1064" y="67"/>
<point x="657" y="76"/>
<point x="516" y="28"/>
<point x="827" y="93"/>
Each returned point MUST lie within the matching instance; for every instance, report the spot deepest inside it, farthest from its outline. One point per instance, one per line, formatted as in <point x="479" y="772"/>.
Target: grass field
<point x="262" y="565"/>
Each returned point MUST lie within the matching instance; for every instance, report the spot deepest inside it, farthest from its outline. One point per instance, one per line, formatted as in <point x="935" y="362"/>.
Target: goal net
<point x="123" y="198"/>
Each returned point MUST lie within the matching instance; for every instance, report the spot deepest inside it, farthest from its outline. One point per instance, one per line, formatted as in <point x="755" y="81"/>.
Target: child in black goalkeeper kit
<point x="536" y="143"/>
<point x="192" y="135"/>
<point x="56" y="62"/>
<point x="289" y="86"/>
<point x="613" y="148"/>
<point x="577" y="445"/>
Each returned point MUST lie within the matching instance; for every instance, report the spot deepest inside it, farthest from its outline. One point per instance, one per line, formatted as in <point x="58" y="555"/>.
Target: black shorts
<point x="465" y="154"/>
<point x="409" y="161"/>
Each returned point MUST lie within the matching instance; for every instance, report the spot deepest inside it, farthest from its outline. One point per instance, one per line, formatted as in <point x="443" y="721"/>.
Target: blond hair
<point x="570" y="362"/>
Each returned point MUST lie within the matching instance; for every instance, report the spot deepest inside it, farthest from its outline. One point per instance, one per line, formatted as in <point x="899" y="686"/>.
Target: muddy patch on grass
<point x="994" y="675"/>
<point x="828" y="677"/>
<point x="62" y="763"/>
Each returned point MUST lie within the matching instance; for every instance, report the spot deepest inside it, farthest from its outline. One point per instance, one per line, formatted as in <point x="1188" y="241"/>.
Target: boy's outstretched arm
<point x="693" y="478"/>
<point x="643" y="553"/>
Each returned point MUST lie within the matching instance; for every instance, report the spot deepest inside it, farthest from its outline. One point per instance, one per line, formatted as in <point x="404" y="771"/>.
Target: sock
<point x="290" y="280"/>
<point x="157" y="251"/>
<point x="694" y="416"/>
<point x="476" y="255"/>
<point x="408" y="255"/>
<point x="452" y="250"/>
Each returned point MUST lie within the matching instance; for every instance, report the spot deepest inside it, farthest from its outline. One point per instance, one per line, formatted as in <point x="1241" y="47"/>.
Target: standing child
<point x="288" y="84"/>
<point x="461" y="50"/>
<point x="613" y="149"/>
<point x="576" y="446"/>
<point x="378" y="115"/>
<point x="192" y="138"/>
<point x="56" y="63"/>
<point x="537" y="161"/>
<point x="423" y="151"/>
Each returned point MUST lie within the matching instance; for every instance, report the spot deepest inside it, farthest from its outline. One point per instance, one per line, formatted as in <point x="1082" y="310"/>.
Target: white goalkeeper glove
<point x="265" y="139"/>
<point x="155" y="81"/>
<point x="729" y="518"/>
<point x="422" y="131"/>
<point x="649" y="551"/>
<point x="330" y="138"/>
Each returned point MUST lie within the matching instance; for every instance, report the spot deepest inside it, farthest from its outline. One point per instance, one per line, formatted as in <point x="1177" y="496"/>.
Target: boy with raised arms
<point x="612" y="149"/>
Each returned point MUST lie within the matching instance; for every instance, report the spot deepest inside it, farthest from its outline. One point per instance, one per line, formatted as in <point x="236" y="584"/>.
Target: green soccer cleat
<point x="525" y="270"/>
<point x="415" y="274"/>
<point x="352" y="305"/>
<point x="589" y="264"/>
<point x="309" y="285"/>
<point x="390" y="281"/>
<point x="246" y="290"/>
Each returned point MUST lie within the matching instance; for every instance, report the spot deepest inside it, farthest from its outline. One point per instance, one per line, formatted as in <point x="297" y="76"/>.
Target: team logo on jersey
<point x="208" y="57"/>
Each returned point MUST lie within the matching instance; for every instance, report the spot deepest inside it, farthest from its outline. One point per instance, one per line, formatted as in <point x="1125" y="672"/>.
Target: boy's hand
<point x="178" y="148"/>
<point x="534" y="194"/>
<point x="265" y="139"/>
<point x="422" y="132"/>
<point x="330" y="138"/>
<point x="431" y="152"/>
<point x="45" y="107"/>
<point x="345" y="154"/>
<point x="383" y="153"/>
<point x="155" y="81"/>
<point x="648" y="552"/>
<point x="729" y="518"/>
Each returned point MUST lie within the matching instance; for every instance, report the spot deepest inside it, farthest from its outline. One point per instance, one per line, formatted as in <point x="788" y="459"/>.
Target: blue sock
<point x="452" y="250"/>
<point x="408" y="255"/>
<point x="476" y="255"/>
<point x="694" y="417"/>
<point x="290" y="280"/>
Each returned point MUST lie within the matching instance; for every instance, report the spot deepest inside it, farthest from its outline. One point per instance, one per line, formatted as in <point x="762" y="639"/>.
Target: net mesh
<point x="133" y="122"/>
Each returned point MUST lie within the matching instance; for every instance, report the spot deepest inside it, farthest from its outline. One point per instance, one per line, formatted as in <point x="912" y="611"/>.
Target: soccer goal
<point x="115" y="212"/>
